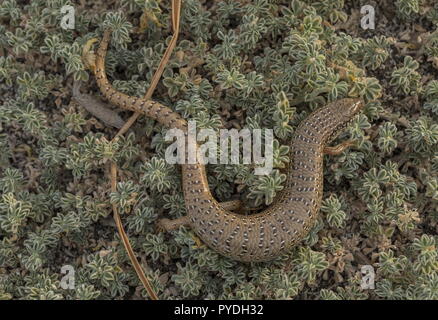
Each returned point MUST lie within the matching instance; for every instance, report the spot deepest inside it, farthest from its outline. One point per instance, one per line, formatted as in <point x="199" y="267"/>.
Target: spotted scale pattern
<point x="265" y="235"/>
<point x="152" y="109"/>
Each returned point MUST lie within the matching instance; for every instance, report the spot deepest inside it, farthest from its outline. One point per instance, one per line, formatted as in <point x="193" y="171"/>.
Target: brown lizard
<point x="265" y="235"/>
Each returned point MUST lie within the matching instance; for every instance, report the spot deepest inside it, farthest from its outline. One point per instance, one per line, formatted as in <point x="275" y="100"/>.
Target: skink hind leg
<point x="231" y="205"/>
<point x="238" y="206"/>
<point x="336" y="150"/>
<point x="198" y="242"/>
<point x="167" y="225"/>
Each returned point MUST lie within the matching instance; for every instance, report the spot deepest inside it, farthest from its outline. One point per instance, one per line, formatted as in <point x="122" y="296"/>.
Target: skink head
<point x="344" y="112"/>
<point x="349" y="107"/>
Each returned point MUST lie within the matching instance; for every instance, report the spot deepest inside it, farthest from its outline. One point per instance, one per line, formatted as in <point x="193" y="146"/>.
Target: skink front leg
<point x="338" y="149"/>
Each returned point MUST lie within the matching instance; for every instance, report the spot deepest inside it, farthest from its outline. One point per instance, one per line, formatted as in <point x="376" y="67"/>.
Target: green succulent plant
<point x="263" y="64"/>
